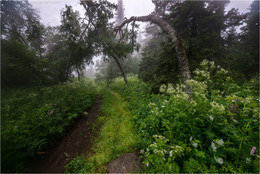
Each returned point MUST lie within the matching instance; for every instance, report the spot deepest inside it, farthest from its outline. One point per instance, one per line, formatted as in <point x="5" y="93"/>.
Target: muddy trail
<point x="76" y="142"/>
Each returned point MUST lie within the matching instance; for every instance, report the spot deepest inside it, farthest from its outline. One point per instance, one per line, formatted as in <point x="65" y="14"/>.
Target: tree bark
<point x="78" y="73"/>
<point x="181" y="55"/>
<point x="120" y="67"/>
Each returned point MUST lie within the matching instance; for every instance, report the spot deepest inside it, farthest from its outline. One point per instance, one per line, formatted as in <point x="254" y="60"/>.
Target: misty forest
<point x="172" y="91"/>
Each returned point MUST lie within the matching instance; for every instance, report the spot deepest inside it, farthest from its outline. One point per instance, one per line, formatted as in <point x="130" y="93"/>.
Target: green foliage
<point x="109" y="71"/>
<point x="214" y="131"/>
<point x="115" y="138"/>
<point x="207" y="32"/>
<point x="20" y="65"/>
<point x="19" y="21"/>
<point x="80" y="165"/>
<point x="251" y="39"/>
<point x="33" y="120"/>
<point x="159" y="64"/>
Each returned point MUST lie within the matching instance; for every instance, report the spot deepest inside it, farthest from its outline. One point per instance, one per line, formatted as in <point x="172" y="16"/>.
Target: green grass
<point x="116" y="135"/>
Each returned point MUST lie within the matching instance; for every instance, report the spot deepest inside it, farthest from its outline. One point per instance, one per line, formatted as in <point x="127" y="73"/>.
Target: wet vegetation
<point x="183" y="94"/>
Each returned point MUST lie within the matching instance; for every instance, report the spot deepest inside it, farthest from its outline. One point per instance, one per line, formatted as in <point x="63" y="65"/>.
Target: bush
<point x="215" y="131"/>
<point x="34" y="120"/>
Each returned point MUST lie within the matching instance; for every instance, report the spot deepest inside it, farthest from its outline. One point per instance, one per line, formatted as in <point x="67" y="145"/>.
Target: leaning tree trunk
<point x="120" y="67"/>
<point x="78" y="73"/>
<point x="181" y="55"/>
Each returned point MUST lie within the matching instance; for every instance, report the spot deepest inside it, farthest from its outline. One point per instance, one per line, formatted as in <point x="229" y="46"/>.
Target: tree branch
<point x="177" y="43"/>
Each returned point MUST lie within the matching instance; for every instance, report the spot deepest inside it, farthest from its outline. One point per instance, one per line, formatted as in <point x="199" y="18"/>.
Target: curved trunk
<point x="181" y="55"/>
<point x="78" y="72"/>
<point x="120" y="67"/>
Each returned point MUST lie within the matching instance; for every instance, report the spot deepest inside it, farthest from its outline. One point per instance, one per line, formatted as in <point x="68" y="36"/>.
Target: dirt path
<point x="76" y="142"/>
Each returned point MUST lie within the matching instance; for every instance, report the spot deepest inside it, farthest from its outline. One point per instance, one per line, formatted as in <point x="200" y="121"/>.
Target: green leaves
<point x="216" y="127"/>
<point x="34" y="119"/>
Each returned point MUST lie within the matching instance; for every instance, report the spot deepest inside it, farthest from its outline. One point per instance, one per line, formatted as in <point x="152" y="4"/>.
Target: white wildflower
<point x="142" y="151"/>
<point x="194" y="144"/>
<point x="190" y="138"/>
<point x="211" y="117"/>
<point x="213" y="146"/>
<point x="234" y="120"/>
<point x="248" y="160"/>
<point x="219" y="160"/>
<point x="220" y="142"/>
<point x="171" y="153"/>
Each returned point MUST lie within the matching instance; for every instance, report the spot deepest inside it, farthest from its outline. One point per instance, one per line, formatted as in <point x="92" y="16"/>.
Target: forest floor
<point x="114" y="150"/>
<point x="105" y="135"/>
<point x="77" y="141"/>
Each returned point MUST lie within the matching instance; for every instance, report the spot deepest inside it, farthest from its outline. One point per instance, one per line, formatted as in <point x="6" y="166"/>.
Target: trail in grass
<point x="116" y="136"/>
<point x="76" y="142"/>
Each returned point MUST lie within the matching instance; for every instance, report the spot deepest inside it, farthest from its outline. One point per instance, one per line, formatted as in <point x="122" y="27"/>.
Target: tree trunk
<point x="181" y="55"/>
<point x="78" y="73"/>
<point x="120" y="67"/>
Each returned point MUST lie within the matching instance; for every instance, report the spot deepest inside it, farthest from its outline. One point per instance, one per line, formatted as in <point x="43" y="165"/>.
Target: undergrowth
<point x="32" y="119"/>
<point x="215" y="131"/>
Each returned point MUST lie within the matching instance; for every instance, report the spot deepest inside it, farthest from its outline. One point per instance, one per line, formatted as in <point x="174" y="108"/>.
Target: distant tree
<point x="80" y="51"/>
<point x="117" y="46"/>
<point x="58" y="54"/>
<point x="251" y="38"/>
<point x="107" y="71"/>
<point x="201" y="25"/>
<point x="21" y="31"/>
<point x="120" y="12"/>
<point x="18" y="64"/>
<point x="19" y="21"/>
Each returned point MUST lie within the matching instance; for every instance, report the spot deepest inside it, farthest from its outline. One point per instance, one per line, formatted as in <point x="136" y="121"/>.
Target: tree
<point x="58" y="54"/>
<point x="19" y="21"/>
<point x="107" y="71"/>
<point x="157" y="66"/>
<point x="18" y="64"/>
<point x="120" y="12"/>
<point x="80" y="50"/>
<point x="177" y="43"/>
<point x="200" y="24"/>
<point x="21" y="31"/>
<point x="251" y="38"/>
<point x="118" y="48"/>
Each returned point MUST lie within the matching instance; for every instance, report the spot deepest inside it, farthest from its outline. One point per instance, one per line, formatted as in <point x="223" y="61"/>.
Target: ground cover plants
<point x="216" y="130"/>
<point x="182" y="114"/>
<point x="33" y="119"/>
<point x="116" y="136"/>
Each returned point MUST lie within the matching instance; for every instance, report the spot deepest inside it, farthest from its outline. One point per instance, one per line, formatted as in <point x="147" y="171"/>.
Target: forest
<point x="173" y="91"/>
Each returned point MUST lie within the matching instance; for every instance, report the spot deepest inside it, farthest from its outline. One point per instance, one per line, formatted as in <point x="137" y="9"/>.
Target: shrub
<point x="214" y="131"/>
<point x="34" y="120"/>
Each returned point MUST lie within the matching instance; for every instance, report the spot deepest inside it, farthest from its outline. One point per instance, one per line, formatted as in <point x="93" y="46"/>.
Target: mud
<point x="77" y="141"/>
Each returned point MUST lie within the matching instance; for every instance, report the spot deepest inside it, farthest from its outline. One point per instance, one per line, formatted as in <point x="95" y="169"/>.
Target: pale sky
<point x="49" y="10"/>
